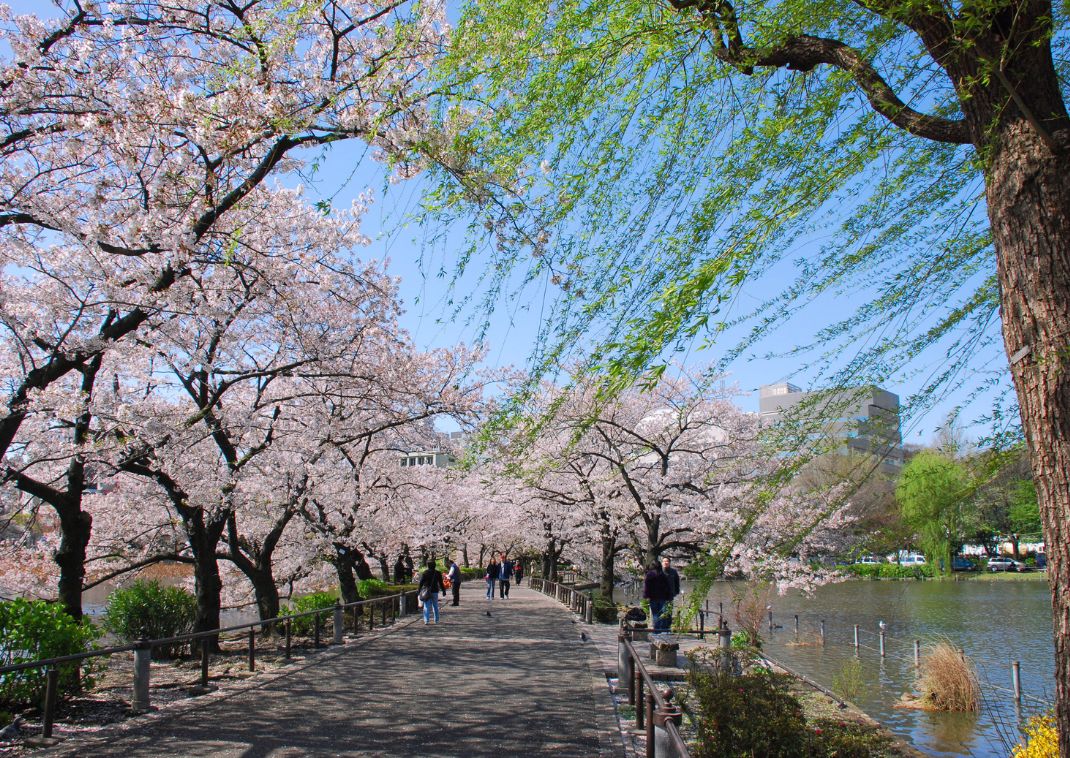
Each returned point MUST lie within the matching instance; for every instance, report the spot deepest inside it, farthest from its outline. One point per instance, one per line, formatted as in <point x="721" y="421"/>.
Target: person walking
<point x="505" y="575"/>
<point x="430" y="588"/>
<point x="674" y="584"/>
<point x="658" y="592"/>
<point x="493" y="569"/>
<point x="455" y="582"/>
<point x="518" y="572"/>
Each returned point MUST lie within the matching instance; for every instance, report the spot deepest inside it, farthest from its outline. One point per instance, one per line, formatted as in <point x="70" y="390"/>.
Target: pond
<point x="994" y="620"/>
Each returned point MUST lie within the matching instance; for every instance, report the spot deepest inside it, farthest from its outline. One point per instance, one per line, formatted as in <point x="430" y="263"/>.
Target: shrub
<point x="367" y="588"/>
<point x="1041" y="738"/>
<point x="311" y="602"/>
<point x="149" y="610"/>
<point x="846" y="739"/>
<point x="605" y="611"/>
<point x="32" y="630"/>
<point x="749" y="715"/>
<point x="948" y="681"/>
<point x="889" y="571"/>
<point x="848" y="682"/>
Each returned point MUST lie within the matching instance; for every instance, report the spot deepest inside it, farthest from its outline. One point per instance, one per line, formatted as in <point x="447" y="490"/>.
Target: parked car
<point x="1004" y="563"/>
<point x="958" y="563"/>
<point x="913" y="559"/>
<point x="867" y="560"/>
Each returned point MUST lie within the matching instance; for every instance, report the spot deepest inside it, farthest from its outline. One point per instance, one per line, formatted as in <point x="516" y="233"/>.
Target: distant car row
<point x="958" y="563"/>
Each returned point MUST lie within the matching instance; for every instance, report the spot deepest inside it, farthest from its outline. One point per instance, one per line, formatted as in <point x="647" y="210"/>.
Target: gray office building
<point x="862" y="419"/>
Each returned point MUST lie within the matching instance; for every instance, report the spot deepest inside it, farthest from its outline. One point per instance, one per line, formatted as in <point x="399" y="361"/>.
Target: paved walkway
<point x="520" y="682"/>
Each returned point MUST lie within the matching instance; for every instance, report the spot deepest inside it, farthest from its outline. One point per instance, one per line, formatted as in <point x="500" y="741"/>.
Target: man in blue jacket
<point x="505" y="569"/>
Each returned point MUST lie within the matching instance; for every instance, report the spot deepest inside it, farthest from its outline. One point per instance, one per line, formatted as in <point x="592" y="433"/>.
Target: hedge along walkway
<point x="519" y="682"/>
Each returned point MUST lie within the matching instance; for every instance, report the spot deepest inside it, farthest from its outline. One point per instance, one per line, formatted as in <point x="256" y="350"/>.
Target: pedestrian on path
<point x="455" y="582"/>
<point x="674" y="585"/>
<point x="505" y="575"/>
<point x="518" y="572"/>
<point x="491" y="576"/>
<point x="430" y="587"/>
<point x="658" y="592"/>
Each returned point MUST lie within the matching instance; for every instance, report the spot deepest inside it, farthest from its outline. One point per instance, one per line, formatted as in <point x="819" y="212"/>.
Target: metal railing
<point x="654" y="714"/>
<point x="389" y="606"/>
<point x="578" y="602"/>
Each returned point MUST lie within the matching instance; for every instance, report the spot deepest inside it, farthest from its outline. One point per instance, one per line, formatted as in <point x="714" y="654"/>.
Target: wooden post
<point x="51" y="692"/>
<point x="917" y="653"/>
<point x="1016" y="680"/>
<point x="648" y="706"/>
<point x="770" y="619"/>
<point x="882" y="643"/>
<point x="822" y="631"/>
<point x="204" y="662"/>
<point x="288" y="638"/>
<point x="252" y="649"/>
<point x="796" y="624"/>
<point x="339" y="622"/>
<point x="702" y="624"/>
<point x="640" y="700"/>
<point x="631" y="679"/>
<point x="139" y="703"/>
<point x="856" y="638"/>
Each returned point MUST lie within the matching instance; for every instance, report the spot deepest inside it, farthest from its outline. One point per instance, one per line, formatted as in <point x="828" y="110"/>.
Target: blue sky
<point x="398" y="237"/>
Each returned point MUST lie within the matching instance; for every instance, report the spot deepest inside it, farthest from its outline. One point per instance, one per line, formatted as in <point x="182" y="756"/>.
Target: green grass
<point x="1006" y="576"/>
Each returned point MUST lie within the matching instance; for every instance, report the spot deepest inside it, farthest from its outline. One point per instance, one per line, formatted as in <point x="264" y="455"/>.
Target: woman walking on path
<point x="518" y="572"/>
<point x="492" y="575"/>
<point x="430" y="587"/>
<point x="505" y="573"/>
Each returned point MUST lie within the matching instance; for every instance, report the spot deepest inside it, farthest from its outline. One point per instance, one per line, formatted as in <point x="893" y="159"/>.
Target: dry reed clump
<point x="948" y="680"/>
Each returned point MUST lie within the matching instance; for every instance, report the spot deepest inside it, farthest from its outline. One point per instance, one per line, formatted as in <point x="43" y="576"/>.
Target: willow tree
<point x="647" y="158"/>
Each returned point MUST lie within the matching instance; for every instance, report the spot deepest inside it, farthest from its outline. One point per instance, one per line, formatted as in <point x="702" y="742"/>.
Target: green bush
<point x="372" y="588"/>
<point x="472" y="573"/>
<point x="749" y="715"/>
<point x="846" y="739"/>
<point x="33" y="630"/>
<point x="889" y="571"/>
<point x="605" y="611"/>
<point x="149" y="610"/>
<point x="310" y="602"/>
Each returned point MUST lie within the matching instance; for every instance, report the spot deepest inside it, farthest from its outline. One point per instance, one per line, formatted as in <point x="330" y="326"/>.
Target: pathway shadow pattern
<point x="516" y="683"/>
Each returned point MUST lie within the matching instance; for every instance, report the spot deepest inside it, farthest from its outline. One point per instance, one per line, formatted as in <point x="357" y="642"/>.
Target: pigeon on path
<point x="583" y="636"/>
<point x="488" y="614"/>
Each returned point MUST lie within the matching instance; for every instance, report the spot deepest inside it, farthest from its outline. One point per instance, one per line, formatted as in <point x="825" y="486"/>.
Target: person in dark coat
<point x="493" y="569"/>
<point x="455" y="582"/>
<point x="430" y="588"/>
<point x="518" y="572"/>
<point x="674" y="583"/>
<point x="658" y="592"/>
<point x="505" y="575"/>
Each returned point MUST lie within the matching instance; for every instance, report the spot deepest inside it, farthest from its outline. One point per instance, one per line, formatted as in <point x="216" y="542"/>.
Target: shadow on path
<point x="516" y="683"/>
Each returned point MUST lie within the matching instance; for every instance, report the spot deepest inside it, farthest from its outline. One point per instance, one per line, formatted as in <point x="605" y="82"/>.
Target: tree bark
<point x="204" y="536"/>
<point x="75" y="529"/>
<point x="608" y="577"/>
<point x="344" y="565"/>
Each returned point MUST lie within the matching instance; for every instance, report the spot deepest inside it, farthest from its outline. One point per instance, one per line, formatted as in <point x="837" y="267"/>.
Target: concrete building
<point x="862" y="419"/>
<point x="440" y="456"/>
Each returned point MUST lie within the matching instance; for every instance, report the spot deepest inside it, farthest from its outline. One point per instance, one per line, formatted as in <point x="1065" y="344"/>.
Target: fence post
<point x="1016" y="680"/>
<point x="339" y="622"/>
<point x="640" y="700"/>
<point x="701" y="624"/>
<point x="856" y="638"/>
<point x="917" y="653"/>
<point x="648" y="708"/>
<point x="663" y="747"/>
<point x="401" y="605"/>
<point x="252" y="649"/>
<point x="770" y="619"/>
<point x="882" y="643"/>
<point x="796" y="624"/>
<point x="631" y="679"/>
<point x="316" y="634"/>
<point x="51" y="691"/>
<point x="288" y="638"/>
<point x="590" y="611"/>
<point x="139" y="703"/>
<point x="622" y="656"/>
<point x="822" y="631"/>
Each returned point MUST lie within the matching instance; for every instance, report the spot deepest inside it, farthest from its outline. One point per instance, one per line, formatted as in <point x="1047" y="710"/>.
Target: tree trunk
<point x="203" y="539"/>
<point x="266" y="593"/>
<point x="607" y="578"/>
<point x="464" y="555"/>
<point x="75" y="529"/>
<point x="344" y="562"/>
<point x="1028" y="193"/>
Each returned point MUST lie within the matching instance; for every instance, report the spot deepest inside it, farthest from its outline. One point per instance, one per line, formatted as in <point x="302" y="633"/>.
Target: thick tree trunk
<point x="75" y="529"/>
<point x="344" y="563"/>
<point x="1028" y="192"/>
<point x="266" y="593"/>
<point x="608" y="577"/>
<point x="203" y="539"/>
